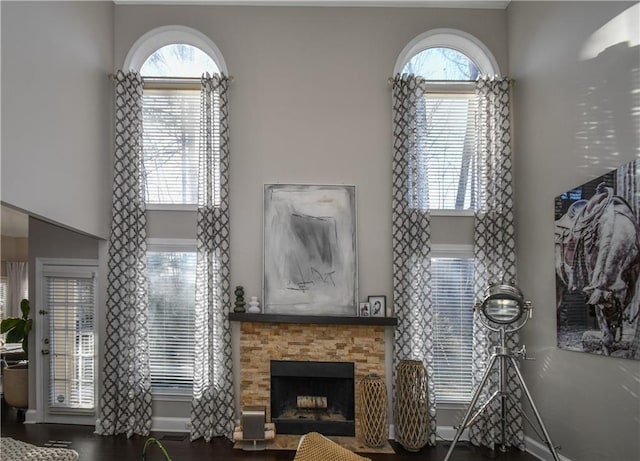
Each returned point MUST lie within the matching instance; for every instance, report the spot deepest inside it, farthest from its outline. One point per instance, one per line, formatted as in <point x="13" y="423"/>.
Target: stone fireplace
<point x="264" y="338"/>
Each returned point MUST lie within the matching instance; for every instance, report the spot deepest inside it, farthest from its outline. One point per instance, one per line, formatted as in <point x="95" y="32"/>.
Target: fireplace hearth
<point x="313" y="396"/>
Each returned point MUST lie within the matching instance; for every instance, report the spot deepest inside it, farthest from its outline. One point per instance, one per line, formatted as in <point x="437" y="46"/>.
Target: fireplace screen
<point x="313" y="396"/>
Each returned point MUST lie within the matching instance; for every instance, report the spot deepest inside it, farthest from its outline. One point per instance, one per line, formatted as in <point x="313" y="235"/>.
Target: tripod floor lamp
<point x="504" y="311"/>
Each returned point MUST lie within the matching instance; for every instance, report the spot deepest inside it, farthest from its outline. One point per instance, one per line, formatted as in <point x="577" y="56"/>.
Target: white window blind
<point x="447" y="149"/>
<point x="70" y="303"/>
<point x="171" y="124"/>
<point x="452" y="297"/>
<point x="171" y="318"/>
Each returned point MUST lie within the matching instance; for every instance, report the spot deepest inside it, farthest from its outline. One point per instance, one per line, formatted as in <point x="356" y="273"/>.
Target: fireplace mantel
<point x="312" y="319"/>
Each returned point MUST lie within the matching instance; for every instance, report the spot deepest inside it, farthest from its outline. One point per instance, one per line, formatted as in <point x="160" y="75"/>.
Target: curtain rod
<point x="112" y="77"/>
<point x="390" y="81"/>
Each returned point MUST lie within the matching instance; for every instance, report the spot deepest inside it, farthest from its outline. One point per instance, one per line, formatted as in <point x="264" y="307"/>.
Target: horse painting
<point x="597" y="262"/>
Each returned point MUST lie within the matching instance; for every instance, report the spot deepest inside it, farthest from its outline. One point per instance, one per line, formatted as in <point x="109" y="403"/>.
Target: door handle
<point x="45" y="351"/>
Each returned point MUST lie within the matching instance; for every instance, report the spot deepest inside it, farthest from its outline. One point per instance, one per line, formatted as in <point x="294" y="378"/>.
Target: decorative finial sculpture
<point x="239" y="292"/>
<point x="254" y="305"/>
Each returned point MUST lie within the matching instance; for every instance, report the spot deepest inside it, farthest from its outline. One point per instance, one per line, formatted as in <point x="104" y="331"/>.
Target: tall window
<point x="452" y="296"/>
<point x="447" y="177"/>
<point x="448" y="165"/>
<point x="171" y="270"/>
<point x="171" y="60"/>
<point x="450" y="60"/>
<point x="171" y="123"/>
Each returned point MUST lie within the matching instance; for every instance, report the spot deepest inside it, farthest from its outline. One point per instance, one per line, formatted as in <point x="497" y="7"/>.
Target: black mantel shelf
<point x="318" y="319"/>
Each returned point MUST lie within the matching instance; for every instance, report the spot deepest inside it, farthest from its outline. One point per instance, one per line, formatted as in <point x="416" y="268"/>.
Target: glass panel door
<point x="69" y="343"/>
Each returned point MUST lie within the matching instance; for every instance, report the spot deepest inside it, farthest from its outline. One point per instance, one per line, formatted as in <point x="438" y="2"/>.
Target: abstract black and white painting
<point x="597" y="261"/>
<point x="310" y="261"/>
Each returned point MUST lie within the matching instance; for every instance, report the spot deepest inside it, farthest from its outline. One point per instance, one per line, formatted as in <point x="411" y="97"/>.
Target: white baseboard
<point x="31" y="417"/>
<point x="166" y="424"/>
<point x="449" y="432"/>
<point x="541" y="451"/>
<point x="533" y="447"/>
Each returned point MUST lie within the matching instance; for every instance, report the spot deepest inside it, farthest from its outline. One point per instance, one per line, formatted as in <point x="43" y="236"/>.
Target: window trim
<point x="456" y="39"/>
<point x="469" y="46"/>
<point x="171" y="207"/>
<point x="43" y="266"/>
<point x="451" y="250"/>
<point x="177" y="245"/>
<point x="172" y="244"/>
<point x="156" y="38"/>
<point x="152" y="41"/>
<point x="449" y="212"/>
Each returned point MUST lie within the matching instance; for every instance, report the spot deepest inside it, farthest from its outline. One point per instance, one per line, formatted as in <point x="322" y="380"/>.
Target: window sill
<point x="452" y="405"/>
<point x="171" y="396"/>
<point x="171" y="207"/>
<point x="452" y="212"/>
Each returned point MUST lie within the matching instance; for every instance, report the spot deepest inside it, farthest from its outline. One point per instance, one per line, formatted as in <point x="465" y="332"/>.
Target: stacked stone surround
<point x="262" y="342"/>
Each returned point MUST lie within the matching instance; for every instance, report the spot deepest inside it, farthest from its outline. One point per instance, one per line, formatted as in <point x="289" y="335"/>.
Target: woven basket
<point x="412" y="405"/>
<point x="373" y="410"/>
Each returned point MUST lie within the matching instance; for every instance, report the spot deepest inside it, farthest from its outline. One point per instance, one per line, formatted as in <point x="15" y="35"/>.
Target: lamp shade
<point x="504" y="305"/>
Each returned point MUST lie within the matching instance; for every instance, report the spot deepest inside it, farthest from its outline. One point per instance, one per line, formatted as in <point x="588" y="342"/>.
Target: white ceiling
<point x="488" y="4"/>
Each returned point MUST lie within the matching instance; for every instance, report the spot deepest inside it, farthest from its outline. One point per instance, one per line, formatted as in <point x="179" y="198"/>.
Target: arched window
<point x="429" y="54"/>
<point x="441" y="171"/>
<point x="170" y="39"/>
<point x="442" y="63"/>
<point x="450" y="61"/>
<point x="178" y="60"/>
<point x="172" y="60"/>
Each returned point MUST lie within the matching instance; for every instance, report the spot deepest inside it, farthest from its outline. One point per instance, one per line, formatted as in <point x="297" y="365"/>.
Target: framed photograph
<point x="378" y="305"/>
<point x="364" y="310"/>
<point x="310" y="261"/>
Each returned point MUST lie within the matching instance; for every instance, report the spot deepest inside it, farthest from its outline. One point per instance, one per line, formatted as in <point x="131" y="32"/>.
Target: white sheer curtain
<point x="17" y="286"/>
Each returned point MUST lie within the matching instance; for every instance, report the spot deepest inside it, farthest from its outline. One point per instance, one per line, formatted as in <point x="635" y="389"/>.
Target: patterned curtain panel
<point x="411" y="234"/>
<point x="212" y="409"/>
<point x="125" y="403"/>
<point x="495" y="257"/>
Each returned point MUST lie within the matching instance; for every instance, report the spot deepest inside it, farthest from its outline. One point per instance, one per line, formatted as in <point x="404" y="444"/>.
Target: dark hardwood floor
<point x="93" y="447"/>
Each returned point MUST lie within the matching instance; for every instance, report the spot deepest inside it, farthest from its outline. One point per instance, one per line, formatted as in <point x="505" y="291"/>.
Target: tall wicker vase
<point x="412" y="405"/>
<point x="373" y="408"/>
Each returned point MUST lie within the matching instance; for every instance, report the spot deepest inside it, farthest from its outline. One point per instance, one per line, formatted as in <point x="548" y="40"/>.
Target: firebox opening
<point x="313" y="396"/>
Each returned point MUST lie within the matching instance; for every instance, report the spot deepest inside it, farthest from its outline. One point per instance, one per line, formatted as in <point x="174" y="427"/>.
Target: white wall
<point x="577" y="72"/>
<point x="56" y="111"/>
<point x="310" y="104"/>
